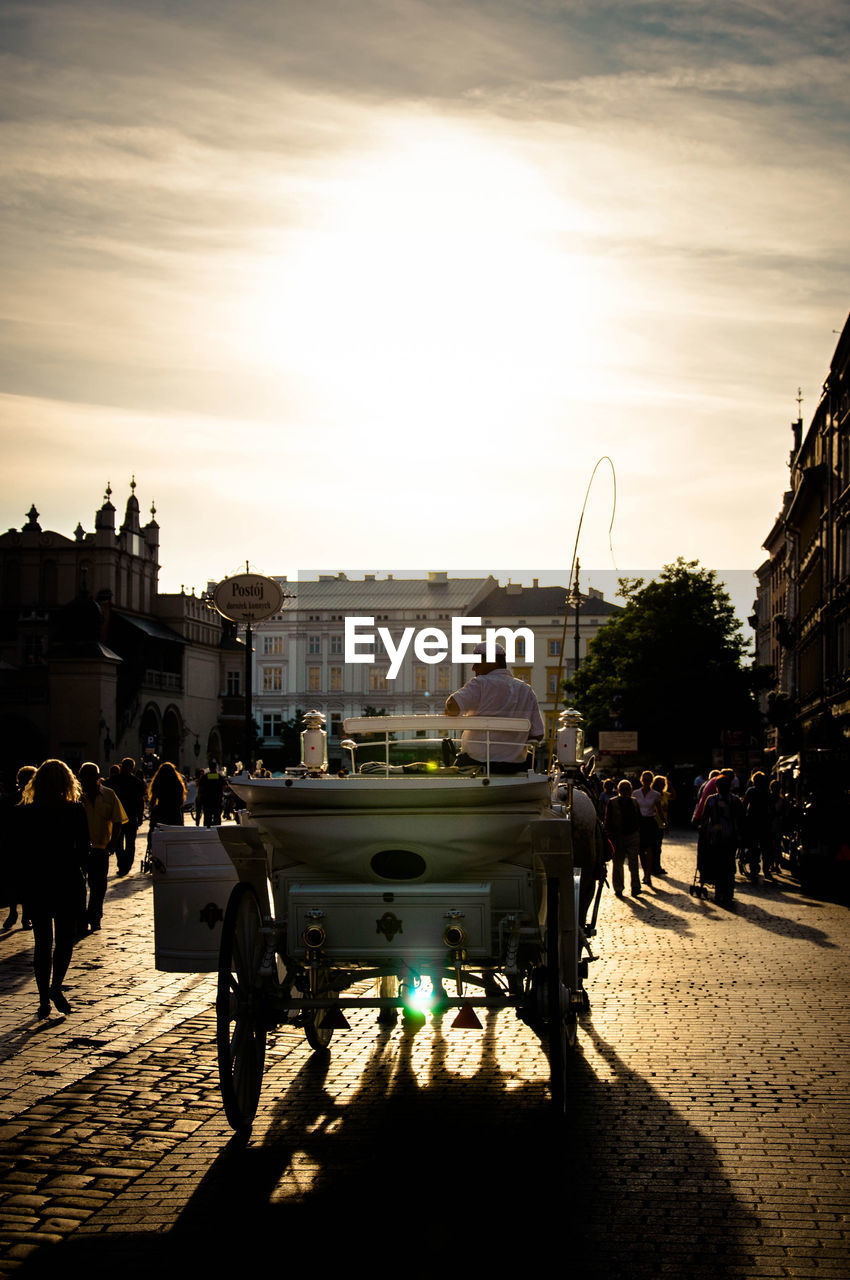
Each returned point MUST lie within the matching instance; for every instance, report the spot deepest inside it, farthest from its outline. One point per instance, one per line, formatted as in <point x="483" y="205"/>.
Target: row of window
<point x="273" y="679"/>
<point x="273" y="644"/>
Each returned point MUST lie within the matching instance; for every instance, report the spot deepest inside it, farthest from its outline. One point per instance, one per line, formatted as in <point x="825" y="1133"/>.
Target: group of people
<point x="635" y="820"/>
<point x="57" y="834"/>
<point x="728" y="823"/>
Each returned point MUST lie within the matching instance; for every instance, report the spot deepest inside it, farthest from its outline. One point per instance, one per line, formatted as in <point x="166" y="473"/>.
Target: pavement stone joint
<point x="708" y="1136"/>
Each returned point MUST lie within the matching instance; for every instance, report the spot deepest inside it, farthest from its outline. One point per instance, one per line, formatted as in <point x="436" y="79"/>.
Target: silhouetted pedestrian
<point x="211" y="794"/>
<point x="622" y="826"/>
<point x="130" y="790"/>
<point x="649" y="803"/>
<point x="722" y="830"/>
<point x="167" y="795"/>
<point x="52" y="837"/>
<point x="106" y="816"/>
<point x="11" y="894"/>
<point x="662" y="819"/>
<point x="758" y="825"/>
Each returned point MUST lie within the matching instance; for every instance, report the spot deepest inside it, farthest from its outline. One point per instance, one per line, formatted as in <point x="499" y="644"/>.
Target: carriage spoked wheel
<point x="561" y="1024"/>
<point x="318" y="1035"/>
<point x="239" y="1008"/>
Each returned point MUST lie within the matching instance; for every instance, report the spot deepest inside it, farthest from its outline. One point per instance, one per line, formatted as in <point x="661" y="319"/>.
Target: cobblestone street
<point x="708" y="1135"/>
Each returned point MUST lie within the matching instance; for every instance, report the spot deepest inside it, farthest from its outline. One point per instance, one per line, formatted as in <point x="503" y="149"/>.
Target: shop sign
<point x="248" y="598"/>
<point x="619" y="743"/>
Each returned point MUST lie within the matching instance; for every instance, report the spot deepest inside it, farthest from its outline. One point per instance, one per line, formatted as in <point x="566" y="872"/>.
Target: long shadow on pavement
<point x="750" y="902"/>
<point x="424" y="1174"/>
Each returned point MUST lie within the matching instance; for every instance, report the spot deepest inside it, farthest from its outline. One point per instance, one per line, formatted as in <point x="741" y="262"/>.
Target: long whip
<point x="604" y="458"/>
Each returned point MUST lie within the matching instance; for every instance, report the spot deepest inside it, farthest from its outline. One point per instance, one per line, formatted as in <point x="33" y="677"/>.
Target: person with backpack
<point x="723" y="830"/>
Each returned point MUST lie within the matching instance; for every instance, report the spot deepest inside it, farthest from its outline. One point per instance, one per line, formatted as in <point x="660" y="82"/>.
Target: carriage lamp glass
<point x="421" y="999"/>
<point x="314" y="742"/>
<point x="570" y="741"/>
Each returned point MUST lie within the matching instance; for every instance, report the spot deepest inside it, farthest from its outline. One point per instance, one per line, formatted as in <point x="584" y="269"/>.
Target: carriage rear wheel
<point x="239" y="1007"/>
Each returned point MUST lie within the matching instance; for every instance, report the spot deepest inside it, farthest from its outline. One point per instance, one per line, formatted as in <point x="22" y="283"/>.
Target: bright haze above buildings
<point x="379" y="283"/>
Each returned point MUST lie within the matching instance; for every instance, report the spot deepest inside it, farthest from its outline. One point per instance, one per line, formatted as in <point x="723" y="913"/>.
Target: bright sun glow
<point x="442" y="283"/>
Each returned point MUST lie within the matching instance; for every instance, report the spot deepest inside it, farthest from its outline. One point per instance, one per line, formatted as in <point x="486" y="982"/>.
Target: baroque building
<point x="95" y="662"/>
<point x="803" y="604"/>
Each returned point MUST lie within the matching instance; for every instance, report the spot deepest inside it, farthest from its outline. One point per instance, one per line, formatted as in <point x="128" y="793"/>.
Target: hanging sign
<point x="618" y="744"/>
<point x="248" y="598"/>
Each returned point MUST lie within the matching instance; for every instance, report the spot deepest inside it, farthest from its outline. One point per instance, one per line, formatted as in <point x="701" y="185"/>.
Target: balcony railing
<point x="171" y="680"/>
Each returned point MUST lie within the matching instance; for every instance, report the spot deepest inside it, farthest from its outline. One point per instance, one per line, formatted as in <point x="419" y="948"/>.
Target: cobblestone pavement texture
<point x="707" y="1136"/>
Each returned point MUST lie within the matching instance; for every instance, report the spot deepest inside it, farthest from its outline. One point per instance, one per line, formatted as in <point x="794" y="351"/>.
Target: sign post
<point x="248" y="598"/>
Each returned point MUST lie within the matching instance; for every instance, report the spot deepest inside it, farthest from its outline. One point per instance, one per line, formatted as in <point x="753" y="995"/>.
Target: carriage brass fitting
<point x="314" y="936"/>
<point x="454" y="936"/>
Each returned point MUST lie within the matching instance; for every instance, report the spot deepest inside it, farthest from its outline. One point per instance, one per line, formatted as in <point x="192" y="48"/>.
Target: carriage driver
<point x="493" y="691"/>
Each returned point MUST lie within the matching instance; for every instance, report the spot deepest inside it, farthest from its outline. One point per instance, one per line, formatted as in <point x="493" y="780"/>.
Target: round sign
<point x="248" y="598"/>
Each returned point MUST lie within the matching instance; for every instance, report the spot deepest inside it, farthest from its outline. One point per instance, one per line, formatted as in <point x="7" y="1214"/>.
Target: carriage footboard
<point x="375" y="923"/>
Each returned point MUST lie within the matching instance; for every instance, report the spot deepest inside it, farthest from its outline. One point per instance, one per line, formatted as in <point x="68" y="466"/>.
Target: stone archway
<point x="214" y="745"/>
<point x="150" y="730"/>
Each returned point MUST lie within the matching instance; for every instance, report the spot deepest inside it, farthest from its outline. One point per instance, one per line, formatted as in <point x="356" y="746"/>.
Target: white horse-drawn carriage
<point x="402" y="883"/>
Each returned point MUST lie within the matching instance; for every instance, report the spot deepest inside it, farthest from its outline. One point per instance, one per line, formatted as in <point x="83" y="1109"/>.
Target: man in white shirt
<point x="493" y="691"/>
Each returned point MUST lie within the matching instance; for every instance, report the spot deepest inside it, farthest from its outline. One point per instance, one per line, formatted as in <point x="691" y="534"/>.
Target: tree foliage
<point x="670" y="666"/>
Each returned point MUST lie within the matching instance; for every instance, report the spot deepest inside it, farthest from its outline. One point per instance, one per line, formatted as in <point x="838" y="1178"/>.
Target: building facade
<point x="556" y="649"/>
<point x="300" y="660"/>
<point x="96" y="663"/>
<point x="805" y="582"/>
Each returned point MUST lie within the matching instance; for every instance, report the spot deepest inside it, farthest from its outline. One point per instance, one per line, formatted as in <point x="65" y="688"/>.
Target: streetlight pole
<point x="576" y="602"/>
<point x="249" y="695"/>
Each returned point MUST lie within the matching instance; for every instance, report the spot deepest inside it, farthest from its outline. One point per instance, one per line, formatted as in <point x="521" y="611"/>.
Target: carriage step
<point x="335" y="1020"/>
<point x="466" y="1020"/>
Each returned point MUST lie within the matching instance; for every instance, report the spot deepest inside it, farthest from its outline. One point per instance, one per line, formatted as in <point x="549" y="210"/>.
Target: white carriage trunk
<point x="193" y="877"/>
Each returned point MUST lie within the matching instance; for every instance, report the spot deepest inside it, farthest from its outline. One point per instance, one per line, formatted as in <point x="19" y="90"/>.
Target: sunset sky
<point x="348" y="283"/>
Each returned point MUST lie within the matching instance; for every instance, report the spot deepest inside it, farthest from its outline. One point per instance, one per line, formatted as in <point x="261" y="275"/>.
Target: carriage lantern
<point x="314" y="742"/>
<point x="570" y="740"/>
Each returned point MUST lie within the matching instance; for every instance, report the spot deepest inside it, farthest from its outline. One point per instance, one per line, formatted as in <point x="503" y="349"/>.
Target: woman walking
<point x="167" y="795"/>
<point x="52" y="842"/>
<point x="662" y="817"/>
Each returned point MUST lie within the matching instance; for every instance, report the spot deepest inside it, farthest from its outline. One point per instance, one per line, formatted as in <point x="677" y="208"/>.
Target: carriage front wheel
<point x="318" y="1035"/>
<point x="240" y="1017"/>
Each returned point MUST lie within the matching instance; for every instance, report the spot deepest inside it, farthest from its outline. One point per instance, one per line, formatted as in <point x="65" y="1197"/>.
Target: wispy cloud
<point x="366" y="237"/>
